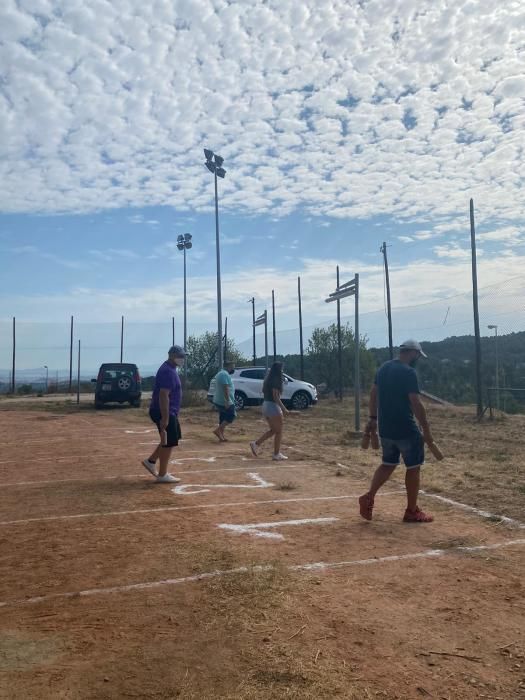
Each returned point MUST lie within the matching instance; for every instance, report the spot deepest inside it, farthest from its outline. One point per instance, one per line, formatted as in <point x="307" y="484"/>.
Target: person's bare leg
<point x="266" y="435"/>
<point x="381" y="476"/>
<point x="366" y="501"/>
<point x="412" y="479"/>
<point x="277" y="425"/>
<point x="156" y="454"/>
<point x="165" y="454"/>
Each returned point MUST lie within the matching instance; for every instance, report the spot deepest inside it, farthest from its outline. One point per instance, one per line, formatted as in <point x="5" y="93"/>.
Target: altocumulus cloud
<point x="343" y="109"/>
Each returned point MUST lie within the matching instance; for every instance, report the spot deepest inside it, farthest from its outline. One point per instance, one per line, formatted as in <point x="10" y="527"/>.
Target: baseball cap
<point x="412" y="345"/>
<point x="177" y="351"/>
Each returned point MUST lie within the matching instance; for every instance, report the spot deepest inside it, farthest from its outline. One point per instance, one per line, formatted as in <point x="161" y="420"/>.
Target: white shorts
<point x="270" y="409"/>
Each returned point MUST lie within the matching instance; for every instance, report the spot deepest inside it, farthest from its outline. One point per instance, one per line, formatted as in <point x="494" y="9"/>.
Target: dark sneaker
<point x="366" y="506"/>
<point x="417" y="516"/>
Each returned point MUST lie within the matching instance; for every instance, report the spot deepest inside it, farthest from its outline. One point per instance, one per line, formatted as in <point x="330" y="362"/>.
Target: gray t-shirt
<point x="395" y="381"/>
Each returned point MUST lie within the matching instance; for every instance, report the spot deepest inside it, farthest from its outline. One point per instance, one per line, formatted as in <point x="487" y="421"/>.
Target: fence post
<point x="78" y="374"/>
<point x="13" y="369"/>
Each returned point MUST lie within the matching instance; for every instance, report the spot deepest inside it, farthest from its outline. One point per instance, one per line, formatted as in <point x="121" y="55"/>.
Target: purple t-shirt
<point x="167" y="377"/>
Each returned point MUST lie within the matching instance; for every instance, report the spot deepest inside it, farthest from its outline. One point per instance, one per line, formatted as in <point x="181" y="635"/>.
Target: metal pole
<point x="219" y="304"/>
<point x="185" y="316"/>
<point x="47" y="378"/>
<point x="253" y="332"/>
<point x="173" y="330"/>
<point x="273" y="327"/>
<point x="479" y="396"/>
<point x="122" y="339"/>
<point x="497" y="368"/>
<point x="301" y="349"/>
<point x="266" y="336"/>
<point x="78" y="374"/>
<point x="388" y="306"/>
<point x="70" y="387"/>
<point x="225" y="338"/>
<point x="339" y="344"/>
<point x="13" y="380"/>
<point x="357" y="380"/>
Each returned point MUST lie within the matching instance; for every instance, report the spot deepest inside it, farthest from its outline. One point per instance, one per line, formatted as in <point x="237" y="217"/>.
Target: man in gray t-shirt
<point x="395" y="405"/>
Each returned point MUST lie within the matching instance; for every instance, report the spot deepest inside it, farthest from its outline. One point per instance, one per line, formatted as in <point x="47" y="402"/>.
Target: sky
<point x="342" y="124"/>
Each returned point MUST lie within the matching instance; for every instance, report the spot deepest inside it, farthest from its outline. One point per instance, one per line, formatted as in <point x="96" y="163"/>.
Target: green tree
<point x="323" y="361"/>
<point x="202" y="358"/>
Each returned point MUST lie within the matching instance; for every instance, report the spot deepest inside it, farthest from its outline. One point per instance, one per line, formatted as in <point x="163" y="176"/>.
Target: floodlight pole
<point x="388" y="304"/>
<point x="219" y="300"/>
<point x="477" y="336"/>
<point x="13" y="378"/>
<point x="121" y="339"/>
<point x="252" y="302"/>
<point x="301" y="348"/>
<point x="70" y="386"/>
<point x="266" y="336"/>
<point x="357" y="379"/>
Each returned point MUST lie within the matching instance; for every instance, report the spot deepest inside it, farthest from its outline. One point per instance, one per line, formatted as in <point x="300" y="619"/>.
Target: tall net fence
<point x="44" y="356"/>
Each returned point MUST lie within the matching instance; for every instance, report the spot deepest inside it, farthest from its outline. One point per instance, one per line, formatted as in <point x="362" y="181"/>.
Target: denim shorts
<point x="270" y="409"/>
<point x="412" y="450"/>
<point x="226" y="415"/>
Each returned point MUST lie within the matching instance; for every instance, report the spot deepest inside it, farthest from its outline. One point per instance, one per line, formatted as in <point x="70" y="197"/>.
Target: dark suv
<point x="117" y="382"/>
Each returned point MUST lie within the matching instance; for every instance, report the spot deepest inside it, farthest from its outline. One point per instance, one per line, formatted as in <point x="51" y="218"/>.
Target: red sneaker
<point x="366" y="506"/>
<point x="417" y="516"/>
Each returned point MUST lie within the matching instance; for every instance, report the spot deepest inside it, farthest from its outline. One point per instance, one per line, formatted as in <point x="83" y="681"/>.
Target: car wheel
<point x="124" y="383"/>
<point x="240" y="400"/>
<point x="300" y="401"/>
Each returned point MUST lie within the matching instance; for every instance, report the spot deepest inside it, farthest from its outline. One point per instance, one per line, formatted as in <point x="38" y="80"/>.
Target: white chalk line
<point x="482" y="513"/>
<point x="261" y="529"/>
<point x="313" y="566"/>
<point x="235" y="504"/>
<point x="141" y="476"/>
<point x="260" y="483"/>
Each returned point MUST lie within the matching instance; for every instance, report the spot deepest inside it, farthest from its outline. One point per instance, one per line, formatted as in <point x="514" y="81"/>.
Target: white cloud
<point x="341" y="109"/>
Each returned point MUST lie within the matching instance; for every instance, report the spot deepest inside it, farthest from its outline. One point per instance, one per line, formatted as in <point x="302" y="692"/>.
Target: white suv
<point x="248" y="383"/>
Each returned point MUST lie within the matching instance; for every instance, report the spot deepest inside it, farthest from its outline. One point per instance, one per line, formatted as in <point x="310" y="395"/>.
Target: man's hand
<point x="427" y="435"/>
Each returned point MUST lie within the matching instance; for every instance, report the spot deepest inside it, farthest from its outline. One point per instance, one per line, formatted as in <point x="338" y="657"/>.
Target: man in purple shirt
<point x="164" y="411"/>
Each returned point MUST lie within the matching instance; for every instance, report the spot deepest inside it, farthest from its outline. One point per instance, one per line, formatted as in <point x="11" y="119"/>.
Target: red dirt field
<point x="114" y="586"/>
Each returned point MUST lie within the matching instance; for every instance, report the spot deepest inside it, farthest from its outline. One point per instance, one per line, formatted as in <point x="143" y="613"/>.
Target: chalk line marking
<point x="140" y="432"/>
<point x="180" y="460"/>
<point x="163" y="509"/>
<point x="314" y="566"/>
<point x="261" y="529"/>
<point x="472" y="509"/>
<point x="184" y="489"/>
<point x="143" y="476"/>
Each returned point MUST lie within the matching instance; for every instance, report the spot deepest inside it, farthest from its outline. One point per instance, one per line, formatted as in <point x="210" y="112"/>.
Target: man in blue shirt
<point x="224" y="399"/>
<point x="395" y="400"/>
<point x="164" y="412"/>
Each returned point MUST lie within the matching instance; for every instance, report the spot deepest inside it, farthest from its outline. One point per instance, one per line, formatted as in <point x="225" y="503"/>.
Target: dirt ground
<point x="114" y="586"/>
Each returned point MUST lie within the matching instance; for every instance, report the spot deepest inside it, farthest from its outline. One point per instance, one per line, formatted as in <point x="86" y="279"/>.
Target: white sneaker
<point x="279" y="457"/>
<point x="167" y="479"/>
<point x="253" y="447"/>
<point x="150" y="466"/>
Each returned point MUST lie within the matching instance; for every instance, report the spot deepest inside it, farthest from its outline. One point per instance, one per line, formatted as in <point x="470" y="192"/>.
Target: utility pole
<point x="173" y="330"/>
<point x="301" y="348"/>
<point x="273" y="327"/>
<point x="339" y="344"/>
<point x="121" y="339"/>
<point x="252" y="302"/>
<point x="13" y="379"/>
<point x="388" y="306"/>
<point x="357" y="388"/>
<point x="225" y="338"/>
<point x="70" y="387"/>
<point x="78" y="374"/>
<point x="479" y="395"/>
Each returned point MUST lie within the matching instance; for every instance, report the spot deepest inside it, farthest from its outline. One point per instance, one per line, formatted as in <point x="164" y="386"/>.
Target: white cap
<point x="412" y="345"/>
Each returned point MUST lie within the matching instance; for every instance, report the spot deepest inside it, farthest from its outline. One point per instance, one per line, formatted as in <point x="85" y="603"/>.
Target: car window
<point x="253" y="373"/>
<point x="115" y="373"/>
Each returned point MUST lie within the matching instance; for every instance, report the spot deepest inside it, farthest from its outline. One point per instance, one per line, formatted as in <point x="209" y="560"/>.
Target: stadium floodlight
<point x="214" y="165"/>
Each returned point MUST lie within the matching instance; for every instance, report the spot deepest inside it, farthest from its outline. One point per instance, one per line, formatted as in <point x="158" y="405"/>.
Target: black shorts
<point x="173" y="434"/>
<point x="226" y="415"/>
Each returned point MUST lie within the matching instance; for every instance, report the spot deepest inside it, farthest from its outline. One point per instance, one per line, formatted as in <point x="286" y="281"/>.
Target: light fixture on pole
<point x="351" y="289"/>
<point x="184" y="243"/>
<point x="214" y="165"/>
<point x="493" y="327"/>
<point x="47" y="376"/>
<point x="262" y="320"/>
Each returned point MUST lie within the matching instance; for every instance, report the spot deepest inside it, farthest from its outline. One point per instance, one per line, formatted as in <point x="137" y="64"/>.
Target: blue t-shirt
<point x="222" y="379"/>
<point x="167" y="377"/>
<point x="395" y="381"/>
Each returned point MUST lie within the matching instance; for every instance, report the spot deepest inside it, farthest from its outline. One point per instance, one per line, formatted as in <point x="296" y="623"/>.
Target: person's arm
<point x="164" y="404"/>
<point x="277" y="398"/>
<point x="421" y="415"/>
<point x="227" y="398"/>
<point x="372" y="410"/>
